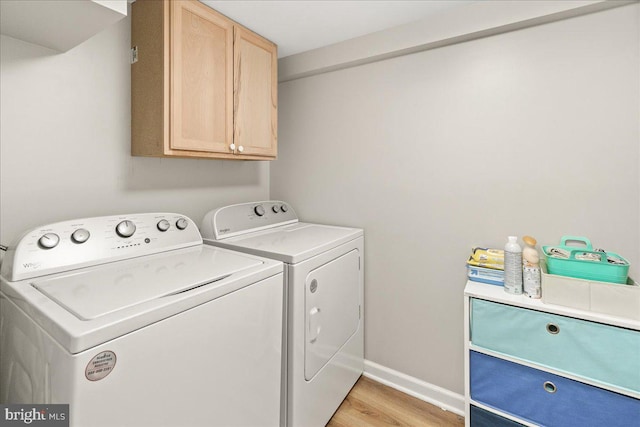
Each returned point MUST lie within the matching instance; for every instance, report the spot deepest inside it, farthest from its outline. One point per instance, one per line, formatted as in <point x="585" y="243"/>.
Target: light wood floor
<point x="371" y="404"/>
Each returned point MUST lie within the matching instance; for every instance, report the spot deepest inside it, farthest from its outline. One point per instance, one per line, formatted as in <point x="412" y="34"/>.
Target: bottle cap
<point x="513" y="238"/>
<point x="529" y="240"/>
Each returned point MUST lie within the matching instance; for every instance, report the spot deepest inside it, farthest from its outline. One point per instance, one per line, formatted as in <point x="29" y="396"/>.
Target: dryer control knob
<point x="275" y="209"/>
<point x="49" y="241"/>
<point x="163" y="225"/>
<point x="125" y="228"/>
<point x="81" y="235"/>
<point x="259" y="210"/>
<point x="284" y="208"/>
<point x="181" y="223"/>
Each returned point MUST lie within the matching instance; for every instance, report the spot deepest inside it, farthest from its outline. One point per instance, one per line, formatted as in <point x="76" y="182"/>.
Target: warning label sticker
<point x="100" y="366"/>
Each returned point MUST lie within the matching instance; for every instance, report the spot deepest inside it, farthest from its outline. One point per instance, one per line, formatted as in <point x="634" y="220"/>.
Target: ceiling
<point x="300" y="25"/>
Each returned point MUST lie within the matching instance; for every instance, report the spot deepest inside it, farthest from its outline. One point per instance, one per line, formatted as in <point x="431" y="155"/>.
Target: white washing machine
<point x="132" y="321"/>
<point x="324" y="281"/>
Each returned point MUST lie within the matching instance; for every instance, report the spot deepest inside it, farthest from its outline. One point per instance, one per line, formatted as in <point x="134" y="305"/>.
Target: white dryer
<point x="132" y="321"/>
<point x="324" y="280"/>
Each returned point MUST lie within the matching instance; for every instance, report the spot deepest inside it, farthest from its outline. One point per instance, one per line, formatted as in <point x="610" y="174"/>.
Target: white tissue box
<point x="485" y="275"/>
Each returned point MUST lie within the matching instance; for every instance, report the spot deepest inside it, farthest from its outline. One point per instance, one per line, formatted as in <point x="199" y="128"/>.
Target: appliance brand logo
<point x="32" y="265"/>
<point x="36" y="415"/>
<point x="224" y="230"/>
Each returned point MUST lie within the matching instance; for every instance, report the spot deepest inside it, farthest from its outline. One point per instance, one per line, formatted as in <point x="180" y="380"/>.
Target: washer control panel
<point x="234" y="220"/>
<point x="84" y="242"/>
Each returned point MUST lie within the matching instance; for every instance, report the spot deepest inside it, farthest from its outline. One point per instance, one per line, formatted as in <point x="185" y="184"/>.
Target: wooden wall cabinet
<point x="201" y="86"/>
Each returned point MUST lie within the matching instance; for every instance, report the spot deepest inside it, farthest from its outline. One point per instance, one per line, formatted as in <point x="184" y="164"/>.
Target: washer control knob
<point x="284" y="208"/>
<point x="181" y="223"/>
<point x="49" y="241"/>
<point x="125" y="228"/>
<point x="163" y="225"/>
<point x="80" y="236"/>
<point x="275" y="209"/>
<point x="259" y="210"/>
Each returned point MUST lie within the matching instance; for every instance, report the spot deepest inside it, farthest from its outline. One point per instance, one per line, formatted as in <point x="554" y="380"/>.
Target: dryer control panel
<point x="68" y="245"/>
<point x="244" y="218"/>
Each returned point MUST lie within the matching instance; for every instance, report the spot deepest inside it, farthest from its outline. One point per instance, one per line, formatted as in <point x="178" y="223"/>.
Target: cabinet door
<point x="201" y="78"/>
<point x="256" y="96"/>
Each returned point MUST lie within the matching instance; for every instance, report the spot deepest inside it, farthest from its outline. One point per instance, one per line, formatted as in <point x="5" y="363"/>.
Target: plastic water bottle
<point x="531" y="268"/>
<point x="513" y="266"/>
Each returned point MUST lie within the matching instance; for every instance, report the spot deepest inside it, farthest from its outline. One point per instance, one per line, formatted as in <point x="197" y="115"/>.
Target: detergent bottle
<point x="513" y="266"/>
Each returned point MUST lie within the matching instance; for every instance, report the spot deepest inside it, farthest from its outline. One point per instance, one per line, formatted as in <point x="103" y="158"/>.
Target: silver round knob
<point x="125" y="228"/>
<point x="49" y="241"/>
<point x="232" y="147"/>
<point x="80" y="235"/>
<point x="259" y="210"/>
<point x="163" y="225"/>
<point x="284" y="208"/>
<point x="240" y="148"/>
<point x="275" y="209"/>
<point x="181" y="223"/>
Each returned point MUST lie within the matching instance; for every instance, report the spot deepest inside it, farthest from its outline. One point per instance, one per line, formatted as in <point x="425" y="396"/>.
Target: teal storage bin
<point x="601" y="270"/>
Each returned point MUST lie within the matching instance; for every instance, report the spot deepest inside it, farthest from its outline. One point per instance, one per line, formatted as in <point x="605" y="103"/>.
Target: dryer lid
<point x="291" y="243"/>
<point x="90" y="294"/>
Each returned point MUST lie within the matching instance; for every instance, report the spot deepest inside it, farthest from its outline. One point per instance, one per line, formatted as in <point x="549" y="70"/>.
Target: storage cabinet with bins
<point x="534" y="364"/>
<point x="201" y="84"/>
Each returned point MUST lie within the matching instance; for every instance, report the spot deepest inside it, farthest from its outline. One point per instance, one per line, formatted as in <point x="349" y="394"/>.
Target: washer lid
<point x="113" y="287"/>
<point x="291" y="243"/>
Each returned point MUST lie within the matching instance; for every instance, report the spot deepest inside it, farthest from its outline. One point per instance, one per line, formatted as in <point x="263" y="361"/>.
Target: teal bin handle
<point x="587" y="242"/>
<point x="603" y="256"/>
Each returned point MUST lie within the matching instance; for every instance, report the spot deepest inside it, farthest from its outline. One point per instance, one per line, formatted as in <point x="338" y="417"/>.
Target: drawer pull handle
<point x="552" y="328"/>
<point x="549" y="387"/>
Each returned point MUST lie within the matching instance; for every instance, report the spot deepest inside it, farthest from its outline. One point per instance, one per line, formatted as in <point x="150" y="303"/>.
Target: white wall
<point x="533" y="131"/>
<point x="65" y="141"/>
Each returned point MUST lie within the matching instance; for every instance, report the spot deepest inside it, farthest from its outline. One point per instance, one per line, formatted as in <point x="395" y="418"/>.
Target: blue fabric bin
<point x="547" y="399"/>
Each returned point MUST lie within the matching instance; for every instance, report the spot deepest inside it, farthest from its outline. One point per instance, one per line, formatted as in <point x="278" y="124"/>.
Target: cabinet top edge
<point x="497" y="294"/>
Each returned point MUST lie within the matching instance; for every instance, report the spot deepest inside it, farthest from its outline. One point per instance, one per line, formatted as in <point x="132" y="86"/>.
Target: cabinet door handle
<point x="240" y="148"/>
<point x="232" y="147"/>
<point x="553" y="329"/>
<point x="549" y="387"/>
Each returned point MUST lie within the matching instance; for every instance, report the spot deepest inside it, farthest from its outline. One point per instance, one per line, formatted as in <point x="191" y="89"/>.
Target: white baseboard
<point x="438" y="396"/>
